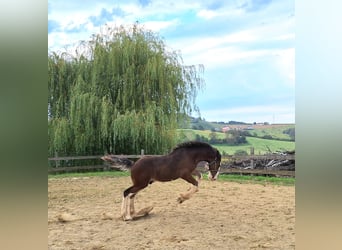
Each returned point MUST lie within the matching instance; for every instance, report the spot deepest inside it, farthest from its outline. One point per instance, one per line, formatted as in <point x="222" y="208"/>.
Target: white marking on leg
<point x="127" y="210"/>
<point x="216" y="175"/>
<point x="131" y="208"/>
<point x="128" y="215"/>
<point x="210" y="177"/>
<point x="123" y="207"/>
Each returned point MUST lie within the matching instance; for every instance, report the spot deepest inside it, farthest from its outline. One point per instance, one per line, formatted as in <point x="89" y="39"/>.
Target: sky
<point x="246" y="47"/>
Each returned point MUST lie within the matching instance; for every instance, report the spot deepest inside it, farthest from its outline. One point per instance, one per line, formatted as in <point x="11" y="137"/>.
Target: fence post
<point x="57" y="161"/>
<point x="106" y="166"/>
<point x="142" y="152"/>
<point x="252" y="160"/>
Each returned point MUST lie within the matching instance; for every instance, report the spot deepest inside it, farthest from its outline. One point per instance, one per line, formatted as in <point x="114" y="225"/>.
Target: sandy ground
<point x="83" y="213"/>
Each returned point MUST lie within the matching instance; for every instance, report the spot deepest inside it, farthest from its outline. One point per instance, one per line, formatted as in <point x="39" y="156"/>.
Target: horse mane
<point x="192" y="144"/>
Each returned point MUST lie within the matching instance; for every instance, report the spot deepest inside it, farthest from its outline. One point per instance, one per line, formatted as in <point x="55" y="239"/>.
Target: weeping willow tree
<point x="120" y="92"/>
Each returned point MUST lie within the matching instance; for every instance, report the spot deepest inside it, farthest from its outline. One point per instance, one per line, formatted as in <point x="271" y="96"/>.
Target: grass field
<point x="261" y="146"/>
<point x="276" y="131"/>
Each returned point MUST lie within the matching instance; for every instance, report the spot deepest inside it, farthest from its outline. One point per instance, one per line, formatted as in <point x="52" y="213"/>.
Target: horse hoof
<point x="127" y="219"/>
<point x="124" y="218"/>
<point x="180" y="200"/>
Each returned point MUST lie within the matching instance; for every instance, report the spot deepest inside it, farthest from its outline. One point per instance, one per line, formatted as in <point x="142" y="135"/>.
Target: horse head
<point x="214" y="167"/>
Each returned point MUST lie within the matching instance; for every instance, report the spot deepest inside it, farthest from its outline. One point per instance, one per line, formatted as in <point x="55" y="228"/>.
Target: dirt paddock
<point x="83" y="213"/>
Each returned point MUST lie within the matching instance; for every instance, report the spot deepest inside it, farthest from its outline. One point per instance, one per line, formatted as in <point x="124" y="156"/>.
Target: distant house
<point x="225" y="129"/>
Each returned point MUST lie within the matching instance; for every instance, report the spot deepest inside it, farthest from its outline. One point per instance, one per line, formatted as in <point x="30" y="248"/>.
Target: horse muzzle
<point x="213" y="176"/>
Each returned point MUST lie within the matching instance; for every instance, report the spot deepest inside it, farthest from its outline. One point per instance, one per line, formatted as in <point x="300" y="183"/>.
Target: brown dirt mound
<point x="84" y="213"/>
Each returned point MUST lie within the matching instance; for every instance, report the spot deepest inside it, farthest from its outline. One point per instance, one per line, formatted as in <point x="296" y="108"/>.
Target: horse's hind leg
<point x="191" y="191"/>
<point x="123" y="206"/>
<point x="127" y="208"/>
<point x="131" y="205"/>
<point x="126" y="205"/>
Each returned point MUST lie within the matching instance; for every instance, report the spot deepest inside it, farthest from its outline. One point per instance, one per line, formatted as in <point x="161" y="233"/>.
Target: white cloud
<point x="207" y="14"/>
<point x="225" y="56"/>
<point x="285" y="63"/>
<point x="196" y="45"/>
<point x="69" y="19"/>
<point x="229" y="49"/>
<point x="290" y="36"/>
<point x="157" y="26"/>
<point x="243" y="46"/>
<point x="268" y="113"/>
<point x="162" y="7"/>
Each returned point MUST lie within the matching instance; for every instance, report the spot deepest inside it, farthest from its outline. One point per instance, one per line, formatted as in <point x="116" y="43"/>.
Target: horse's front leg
<point x="193" y="189"/>
<point x="127" y="210"/>
<point x="199" y="176"/>
<point x="127" y="207"/>
<point x="131" y="205"/>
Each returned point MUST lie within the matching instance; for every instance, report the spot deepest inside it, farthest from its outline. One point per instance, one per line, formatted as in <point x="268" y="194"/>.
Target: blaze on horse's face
<point x="214" y="167"/>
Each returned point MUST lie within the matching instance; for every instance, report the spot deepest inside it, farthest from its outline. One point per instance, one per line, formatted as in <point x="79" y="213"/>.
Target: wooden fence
<point x="58" y="169"/>
<point x="224" y="169"/>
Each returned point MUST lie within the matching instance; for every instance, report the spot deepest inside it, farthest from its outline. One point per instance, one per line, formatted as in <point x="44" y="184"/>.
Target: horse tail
<point x="118" y="163"/>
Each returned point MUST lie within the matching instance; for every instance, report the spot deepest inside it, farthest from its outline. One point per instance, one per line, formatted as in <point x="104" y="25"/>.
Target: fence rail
<point x="59" y="169"/>
<point x="259" y="157"/>
<point x="242" y="157"/>
<point x="263" y="172"/>
<point x="67" y="158"/>
<point x="76" y="168"/>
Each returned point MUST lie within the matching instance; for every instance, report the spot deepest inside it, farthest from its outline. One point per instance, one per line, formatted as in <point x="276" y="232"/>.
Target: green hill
<point x="261" y="146"/>
<point x="202" y="124"/>
<point x="264" y="138"/>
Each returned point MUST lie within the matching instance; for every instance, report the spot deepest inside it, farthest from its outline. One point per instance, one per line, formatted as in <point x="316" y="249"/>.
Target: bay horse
<point x="180" y="163"/>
